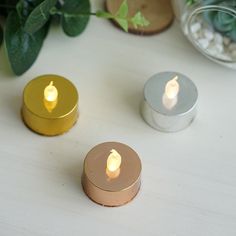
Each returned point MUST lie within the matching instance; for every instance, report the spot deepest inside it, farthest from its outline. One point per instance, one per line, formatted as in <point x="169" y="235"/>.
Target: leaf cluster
<point x="121" y="17"/>
<point x="27" y="24"/>
<point x="28" y="21"/>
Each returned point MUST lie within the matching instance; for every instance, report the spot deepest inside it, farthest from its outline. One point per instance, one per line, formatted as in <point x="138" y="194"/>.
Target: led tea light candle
<point x="113" y="164"/>
<point x="170" y="97"/>
<point x="50" y="105"/>
<point x="170" y="100"/>
<point x="111" y="175"/>
<point x="50" y="97"/>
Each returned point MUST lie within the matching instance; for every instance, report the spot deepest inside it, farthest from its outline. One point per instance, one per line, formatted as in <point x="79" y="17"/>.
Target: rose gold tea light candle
<point x="111" y="175"/>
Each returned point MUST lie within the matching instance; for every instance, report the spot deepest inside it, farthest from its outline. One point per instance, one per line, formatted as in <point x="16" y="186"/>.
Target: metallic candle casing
<point x="55" y="118"/>
<point x="107" y="191"/>
<point x="157" y="114"/>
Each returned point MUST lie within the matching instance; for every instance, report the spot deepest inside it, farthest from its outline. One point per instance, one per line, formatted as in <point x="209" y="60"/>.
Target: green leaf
<point x="123" y="23"/>
<point x="1" y="35"/>
<point x="75" y="16"/>
<point x="139" y="20"/>
<point x="22" y="48"/>
<point x="121" y="16"/>
<point x="123" y="10"/>
<point x="122" y="19"/>
<point x="23" y="9"/>
<point x="104" y="14"/>
<point x="39" y="16"/>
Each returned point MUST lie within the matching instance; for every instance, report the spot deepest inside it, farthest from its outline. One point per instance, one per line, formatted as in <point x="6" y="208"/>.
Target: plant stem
<point x="85" y="14"/>
<point x="56" y="11"/>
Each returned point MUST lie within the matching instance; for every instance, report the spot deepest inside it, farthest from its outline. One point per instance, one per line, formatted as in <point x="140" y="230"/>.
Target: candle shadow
<point x="129" y="92"/>
<point x="134" y="102"/>
<point x="74" y="172"/>
<point x="13" y="107"/>
<point x="67" y="163"/>
<point x="64" y="171"/>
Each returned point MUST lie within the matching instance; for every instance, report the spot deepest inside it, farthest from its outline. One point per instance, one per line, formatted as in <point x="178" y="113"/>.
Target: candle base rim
<point x="135" y="188"/>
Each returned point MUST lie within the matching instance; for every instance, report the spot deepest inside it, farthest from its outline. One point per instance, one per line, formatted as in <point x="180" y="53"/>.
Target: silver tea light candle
<point x="169" y="103"/>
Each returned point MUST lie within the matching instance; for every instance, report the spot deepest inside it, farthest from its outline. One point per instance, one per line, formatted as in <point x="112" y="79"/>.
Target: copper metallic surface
<point x="110" y="191"/>
<point x="50" y="119"/>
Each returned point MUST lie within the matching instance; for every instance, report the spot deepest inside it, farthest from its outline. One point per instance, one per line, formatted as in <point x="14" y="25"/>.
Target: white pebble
<point x="232" y="46"/>
<point x="208" y="34"/>
<point x="204" y="43"/>
<point x="218" y="38"/>
<point x="226" y="41"/>
<point x="213" y="43"/>
<point x="195" y="27"/>
<point x="212" y="52"/>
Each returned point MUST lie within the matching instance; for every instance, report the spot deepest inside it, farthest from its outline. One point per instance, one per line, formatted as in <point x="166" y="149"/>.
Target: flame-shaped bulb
<point x="50" y="93"/>
<point x="113" y="161"/>
<point x="172" y="88"/>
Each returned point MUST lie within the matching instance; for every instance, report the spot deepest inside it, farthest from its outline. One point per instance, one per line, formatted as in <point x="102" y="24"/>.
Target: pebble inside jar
<point x="211" y="27"/>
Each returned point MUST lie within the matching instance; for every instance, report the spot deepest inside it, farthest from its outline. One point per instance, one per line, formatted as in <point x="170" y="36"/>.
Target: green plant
<point x="222" y="21"/>
<point x="28" y="21"/>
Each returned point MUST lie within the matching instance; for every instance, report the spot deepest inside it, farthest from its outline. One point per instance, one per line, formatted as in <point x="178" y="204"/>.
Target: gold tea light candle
<point x="111" y="174"/>
<point x="50" y="105"/>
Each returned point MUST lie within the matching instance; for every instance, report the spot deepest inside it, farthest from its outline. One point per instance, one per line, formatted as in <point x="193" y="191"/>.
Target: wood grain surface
<point x="158" y="12"/>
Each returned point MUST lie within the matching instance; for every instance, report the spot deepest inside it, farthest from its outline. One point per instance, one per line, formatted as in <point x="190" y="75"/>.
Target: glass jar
<point x="210" y="25"/>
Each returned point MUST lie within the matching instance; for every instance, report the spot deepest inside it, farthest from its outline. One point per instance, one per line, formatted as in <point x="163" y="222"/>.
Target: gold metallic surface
<point x="111" y="191"/>
<point x="36" y="113"/>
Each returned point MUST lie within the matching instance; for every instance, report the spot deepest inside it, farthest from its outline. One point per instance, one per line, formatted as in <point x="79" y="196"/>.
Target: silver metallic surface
<point x="155" y="112"/>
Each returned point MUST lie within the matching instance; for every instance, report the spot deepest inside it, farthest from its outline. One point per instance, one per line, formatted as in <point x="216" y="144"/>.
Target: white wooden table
<point x="188" y="178"/>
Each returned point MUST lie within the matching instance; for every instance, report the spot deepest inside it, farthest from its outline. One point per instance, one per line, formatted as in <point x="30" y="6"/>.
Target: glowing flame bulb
<point x="172" y="88"/>
<point x="50" y="93"/>
<point x="113" y="161"/>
